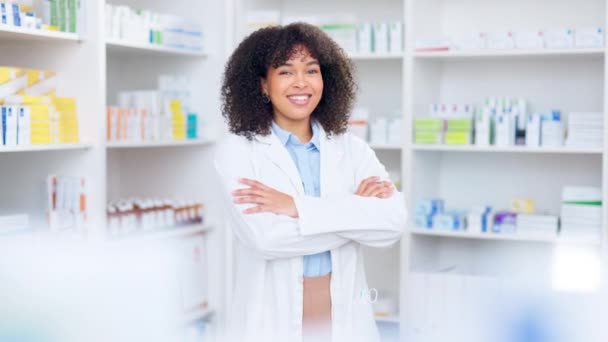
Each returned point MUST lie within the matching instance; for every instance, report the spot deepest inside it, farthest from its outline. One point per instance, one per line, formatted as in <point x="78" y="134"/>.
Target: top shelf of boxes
<point x="479" y="53"/>
<point x="586" y="42"/>
<point x="362" y="41"/>
<point x="45" y="20"/>
<point x="143" y="32"/>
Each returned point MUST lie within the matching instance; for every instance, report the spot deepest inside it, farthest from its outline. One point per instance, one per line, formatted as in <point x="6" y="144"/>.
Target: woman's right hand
<point x="374" y="187"/>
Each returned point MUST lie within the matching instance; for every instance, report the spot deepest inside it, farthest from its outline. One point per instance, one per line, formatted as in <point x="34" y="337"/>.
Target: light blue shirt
<point x="307" y="158"/>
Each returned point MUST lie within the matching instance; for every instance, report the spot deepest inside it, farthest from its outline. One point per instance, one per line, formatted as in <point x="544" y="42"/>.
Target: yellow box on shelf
<point x="12" y="81"/>
<point x="523" y="206"/>
<point x="40" y="112"/>
<point x="429" y="124"/>
<point x="50" y="28"/>
<point x="428" y="137"/>
<point x="40" y="82"/>
<point x="23" y="8"/>
<point x="178" y="120"/>
<point x="458" y="138"/>
<point x="67" y="120"/>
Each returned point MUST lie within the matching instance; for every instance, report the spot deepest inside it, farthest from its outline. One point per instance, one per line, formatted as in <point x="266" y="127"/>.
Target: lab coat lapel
<point x="277" y="153"/>
<point x="331" y="155"/>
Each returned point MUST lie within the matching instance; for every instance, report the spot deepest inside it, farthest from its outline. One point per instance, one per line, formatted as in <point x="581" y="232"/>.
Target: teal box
<point x="191" y="126"/>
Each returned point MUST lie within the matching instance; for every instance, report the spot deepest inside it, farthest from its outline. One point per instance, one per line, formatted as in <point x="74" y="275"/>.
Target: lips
<point x="299" y="100"/>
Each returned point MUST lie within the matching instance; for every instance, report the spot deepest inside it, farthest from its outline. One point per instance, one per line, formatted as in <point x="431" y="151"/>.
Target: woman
<point x="303" y="194"/>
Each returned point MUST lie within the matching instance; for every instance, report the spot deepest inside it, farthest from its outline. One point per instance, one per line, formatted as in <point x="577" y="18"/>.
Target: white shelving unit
<point x="174" y="169"/>
<point x="94" y="70"/>
<point x="465" y="176"/>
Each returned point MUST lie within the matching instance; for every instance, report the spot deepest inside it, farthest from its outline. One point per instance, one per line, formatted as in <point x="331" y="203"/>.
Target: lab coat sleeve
<point x="368" y="220"/>
<point x="273" y="236"/>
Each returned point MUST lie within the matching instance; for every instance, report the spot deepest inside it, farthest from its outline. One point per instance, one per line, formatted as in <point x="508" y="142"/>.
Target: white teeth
<point x="299" y="97"/>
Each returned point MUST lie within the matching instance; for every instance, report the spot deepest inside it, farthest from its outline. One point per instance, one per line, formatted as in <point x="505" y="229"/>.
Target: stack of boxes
<point x="178" y="119"/>
<point x="552" y="129"/>
<point x="31" y="113"/>
<point x="581" y="213"/>
<point x="560" y="38"/>
<point x="480" y="219"/>
<point x="451" y="125"/>
<point x="154" y="115"/>
<point x="538" y="226"/>
<point x="428" y="131"/>
<point x="64" y="15"/>
<point x="425" y="212"/>
<point x="459" y="131"/>
<point x="505" y="123"/>
<point x="143" y="26"/>
<point x="585" y="130"/>
<point x="66" y="198"/>
<point x="57" y="15"/>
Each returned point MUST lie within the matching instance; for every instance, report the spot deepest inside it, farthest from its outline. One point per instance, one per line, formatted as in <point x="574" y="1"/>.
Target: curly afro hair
<point x="242" y="103"/>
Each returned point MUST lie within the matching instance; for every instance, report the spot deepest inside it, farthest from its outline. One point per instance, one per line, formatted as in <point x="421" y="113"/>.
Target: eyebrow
<point x="315" y="62"/>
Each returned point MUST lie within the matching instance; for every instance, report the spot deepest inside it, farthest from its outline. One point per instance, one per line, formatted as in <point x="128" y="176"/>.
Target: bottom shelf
<point x="166" y="233"/>
<point x="505" y="237"/>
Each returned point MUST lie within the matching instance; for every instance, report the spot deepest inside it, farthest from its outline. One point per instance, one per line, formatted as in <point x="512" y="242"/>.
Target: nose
<point x="300" y="80"/>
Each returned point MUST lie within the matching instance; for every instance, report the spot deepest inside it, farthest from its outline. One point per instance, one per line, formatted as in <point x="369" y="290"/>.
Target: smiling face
<point x="294" y="88"/>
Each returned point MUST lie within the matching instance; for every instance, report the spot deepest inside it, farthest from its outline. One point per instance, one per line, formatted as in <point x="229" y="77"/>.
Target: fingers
<point x="374" y="189"/>
<point x="365" y="184"/>
<point x="254" y="184"/>
<point x="389" y="192"/>
<point x="383" y="189"/>
<point x="257" y="193"/>
<point x="250" y="200"/>
<point x="248" y="192"/>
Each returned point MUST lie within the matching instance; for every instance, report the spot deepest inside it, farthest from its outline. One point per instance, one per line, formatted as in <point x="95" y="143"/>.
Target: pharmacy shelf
<point x="167" y="233"/>
<point x="388" y="319"/>
<point x="509" y="149"/>
<point x="53" y="147"/>
<point x="501" y="237"/>
<point x="197" y="315"/>
<point x="129" y="48"/>
<point x="458" y="54"/>
<point x="20" y="33"/>
<point x="386" y="147"/>
<point x="375" y="56"/>
<point x="177" y="143"/>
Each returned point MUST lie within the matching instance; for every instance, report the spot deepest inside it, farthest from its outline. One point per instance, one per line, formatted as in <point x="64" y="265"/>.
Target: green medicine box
<point x="428" y="124"/>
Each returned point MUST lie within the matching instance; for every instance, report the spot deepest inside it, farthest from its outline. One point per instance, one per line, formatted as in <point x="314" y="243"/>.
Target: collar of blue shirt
<point x="286" y="137"/>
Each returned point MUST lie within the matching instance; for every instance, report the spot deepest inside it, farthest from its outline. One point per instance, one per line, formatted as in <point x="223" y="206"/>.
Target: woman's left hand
<point x="267" y="199"/>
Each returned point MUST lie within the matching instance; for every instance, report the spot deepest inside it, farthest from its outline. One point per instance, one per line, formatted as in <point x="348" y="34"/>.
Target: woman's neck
<point x="299" y="128"/>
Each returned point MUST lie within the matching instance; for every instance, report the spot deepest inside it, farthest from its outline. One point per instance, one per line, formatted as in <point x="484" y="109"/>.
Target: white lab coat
<point x="267" y="299"/>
